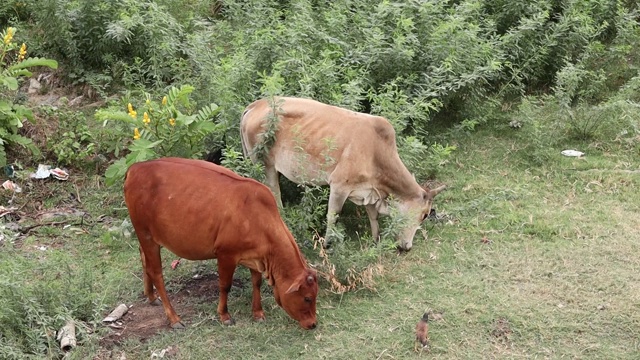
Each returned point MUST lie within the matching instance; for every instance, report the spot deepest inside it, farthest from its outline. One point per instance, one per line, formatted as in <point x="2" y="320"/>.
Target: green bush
<point x="14" y="65"/>
<point x="132" y="42"/>
<point x="74" y="143"/>
<point x="171" y="127"/>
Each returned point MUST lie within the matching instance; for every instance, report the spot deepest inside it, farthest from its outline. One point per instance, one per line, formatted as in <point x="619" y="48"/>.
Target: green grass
<point x="556" y="277"/>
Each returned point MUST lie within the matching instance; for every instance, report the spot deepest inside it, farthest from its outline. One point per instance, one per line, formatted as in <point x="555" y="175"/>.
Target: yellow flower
<point x="23" y="52"/>
<point x="136" y="134"/>
<point x="172" y="122"/>
<point x="148" y="102"/>
<point x="145" y="118"/>
<point x="9" y="36"/>
<point x="164" y="101"/>
<point x="132" y="112"/>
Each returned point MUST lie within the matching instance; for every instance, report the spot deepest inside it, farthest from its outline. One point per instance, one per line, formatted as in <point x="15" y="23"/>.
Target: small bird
<point x="422" y="332"/>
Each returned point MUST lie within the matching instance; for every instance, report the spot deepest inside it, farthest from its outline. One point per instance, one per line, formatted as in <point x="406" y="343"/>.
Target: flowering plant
<point x="14" y="64"/>
<point x="169" y="127"/>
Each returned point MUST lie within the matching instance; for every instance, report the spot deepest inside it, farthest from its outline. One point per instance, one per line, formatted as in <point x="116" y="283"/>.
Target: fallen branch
<point x="26" y="229"/>
<point x="355" y="279"/>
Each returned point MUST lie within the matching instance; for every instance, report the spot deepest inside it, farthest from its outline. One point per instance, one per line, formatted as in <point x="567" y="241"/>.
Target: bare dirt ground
<point x="144" y="320"/>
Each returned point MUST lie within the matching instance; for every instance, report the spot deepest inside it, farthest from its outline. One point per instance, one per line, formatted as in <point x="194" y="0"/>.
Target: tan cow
<point x="354" y="153"/>
<point x="198" y="210"/>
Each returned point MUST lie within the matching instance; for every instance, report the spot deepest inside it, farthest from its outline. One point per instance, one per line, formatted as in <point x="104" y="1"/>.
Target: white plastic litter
<point x="572" y="153"/>
<point x="44" y="171"/>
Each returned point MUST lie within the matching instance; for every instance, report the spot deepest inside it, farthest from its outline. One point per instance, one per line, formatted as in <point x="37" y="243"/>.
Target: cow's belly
<point x="300" y="168"/>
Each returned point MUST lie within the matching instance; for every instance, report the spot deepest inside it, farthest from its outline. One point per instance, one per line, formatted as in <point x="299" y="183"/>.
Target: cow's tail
<point x="243" y="135"/>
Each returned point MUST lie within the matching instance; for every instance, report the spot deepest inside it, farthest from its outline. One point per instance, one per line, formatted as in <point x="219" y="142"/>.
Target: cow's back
<point x="198" y="209"/>
<point x="313" y="138"/>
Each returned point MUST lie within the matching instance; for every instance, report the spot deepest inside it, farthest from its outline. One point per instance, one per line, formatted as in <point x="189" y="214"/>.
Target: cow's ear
<point x="294" y="287"/>
<point x="437" y="190"/>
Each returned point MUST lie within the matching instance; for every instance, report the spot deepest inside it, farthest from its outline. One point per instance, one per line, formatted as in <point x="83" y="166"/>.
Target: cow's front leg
<point x="256" y="301"/>
<point x="336" y="201"/>
<point x="373" y="220"/>
<point x="225" y="278"/>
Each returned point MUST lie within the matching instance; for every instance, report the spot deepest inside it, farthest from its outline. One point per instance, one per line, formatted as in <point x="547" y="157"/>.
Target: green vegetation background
<point x="483" y="95"/>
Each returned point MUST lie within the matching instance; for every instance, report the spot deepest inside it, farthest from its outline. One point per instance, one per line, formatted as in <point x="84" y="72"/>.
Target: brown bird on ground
<point x="422" y="332"/>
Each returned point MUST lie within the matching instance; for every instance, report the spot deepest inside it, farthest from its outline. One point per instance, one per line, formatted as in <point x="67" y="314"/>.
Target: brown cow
<point x="199" y="211"/>
<point x="354" y="153"/>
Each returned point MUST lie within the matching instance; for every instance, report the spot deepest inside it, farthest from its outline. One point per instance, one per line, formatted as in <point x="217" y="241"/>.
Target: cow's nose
<point x="404" y="247"/>
<point x="313" y="326"/>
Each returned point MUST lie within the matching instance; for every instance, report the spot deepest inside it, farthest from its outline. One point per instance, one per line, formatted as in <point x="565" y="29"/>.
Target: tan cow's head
<point x="415" y="211"/>
<point x="299" y="298"/>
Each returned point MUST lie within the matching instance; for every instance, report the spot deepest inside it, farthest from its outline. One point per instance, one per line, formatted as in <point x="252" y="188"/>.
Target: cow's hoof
<point x="156" y="302"/>
<point x="259" y="319"/>
<point x="178" y="326"/>
<point x="229" y="322"/>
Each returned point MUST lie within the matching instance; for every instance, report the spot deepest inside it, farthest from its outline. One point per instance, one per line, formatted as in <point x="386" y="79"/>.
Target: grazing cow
<point x="200" y="211"/>
<point x="354" y="153"/>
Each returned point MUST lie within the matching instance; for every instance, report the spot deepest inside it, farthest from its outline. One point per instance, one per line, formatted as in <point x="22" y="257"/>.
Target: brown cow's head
<point x="298" y="299"/>
<point x="415" y="212"/>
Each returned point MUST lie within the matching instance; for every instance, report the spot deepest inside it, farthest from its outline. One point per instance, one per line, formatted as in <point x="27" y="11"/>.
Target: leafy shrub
<point x="422" y="160"/>
<point x="306" y="219"/>
<point x="14" y="65"/>
<point x="236" y="161"/>
<point x="102" y="41"/>
<point x="171" y="127"/>
<point x="537" y="119"/>
<point x="74" y="143"/>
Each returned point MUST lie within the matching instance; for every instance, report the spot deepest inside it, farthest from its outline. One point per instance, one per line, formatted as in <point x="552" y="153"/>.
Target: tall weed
<point x="32" y="311"/>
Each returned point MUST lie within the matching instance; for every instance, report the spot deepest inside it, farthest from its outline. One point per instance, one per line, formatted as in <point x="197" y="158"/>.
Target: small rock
<point x="76" y="101"/>
<point x="34" y="86"/>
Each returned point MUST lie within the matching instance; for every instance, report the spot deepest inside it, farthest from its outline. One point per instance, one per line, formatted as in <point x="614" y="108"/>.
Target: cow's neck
<point x="398" y="181"/>
<point x="284" y="262"/>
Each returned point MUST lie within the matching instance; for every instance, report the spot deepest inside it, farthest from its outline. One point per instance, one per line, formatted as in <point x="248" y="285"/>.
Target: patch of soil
<point x="144" y="320"/>
<point x="501" y="330"/>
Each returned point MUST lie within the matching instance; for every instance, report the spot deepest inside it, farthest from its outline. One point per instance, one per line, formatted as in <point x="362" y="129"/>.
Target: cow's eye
<point x="307" y="299"/>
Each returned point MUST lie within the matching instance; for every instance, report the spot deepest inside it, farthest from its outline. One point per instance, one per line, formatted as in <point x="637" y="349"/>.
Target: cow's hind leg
<point x="273" y="181"/>
<point x="153" y="269"/>
<point x="256" y="301"/>
<point x="336" y="202"/>
<point x="148" y="284"/>
<point x="226" y="269"/>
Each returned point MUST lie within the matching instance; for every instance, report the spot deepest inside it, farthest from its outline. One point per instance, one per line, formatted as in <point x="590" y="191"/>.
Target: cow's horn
<point x="310" y="279"/>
